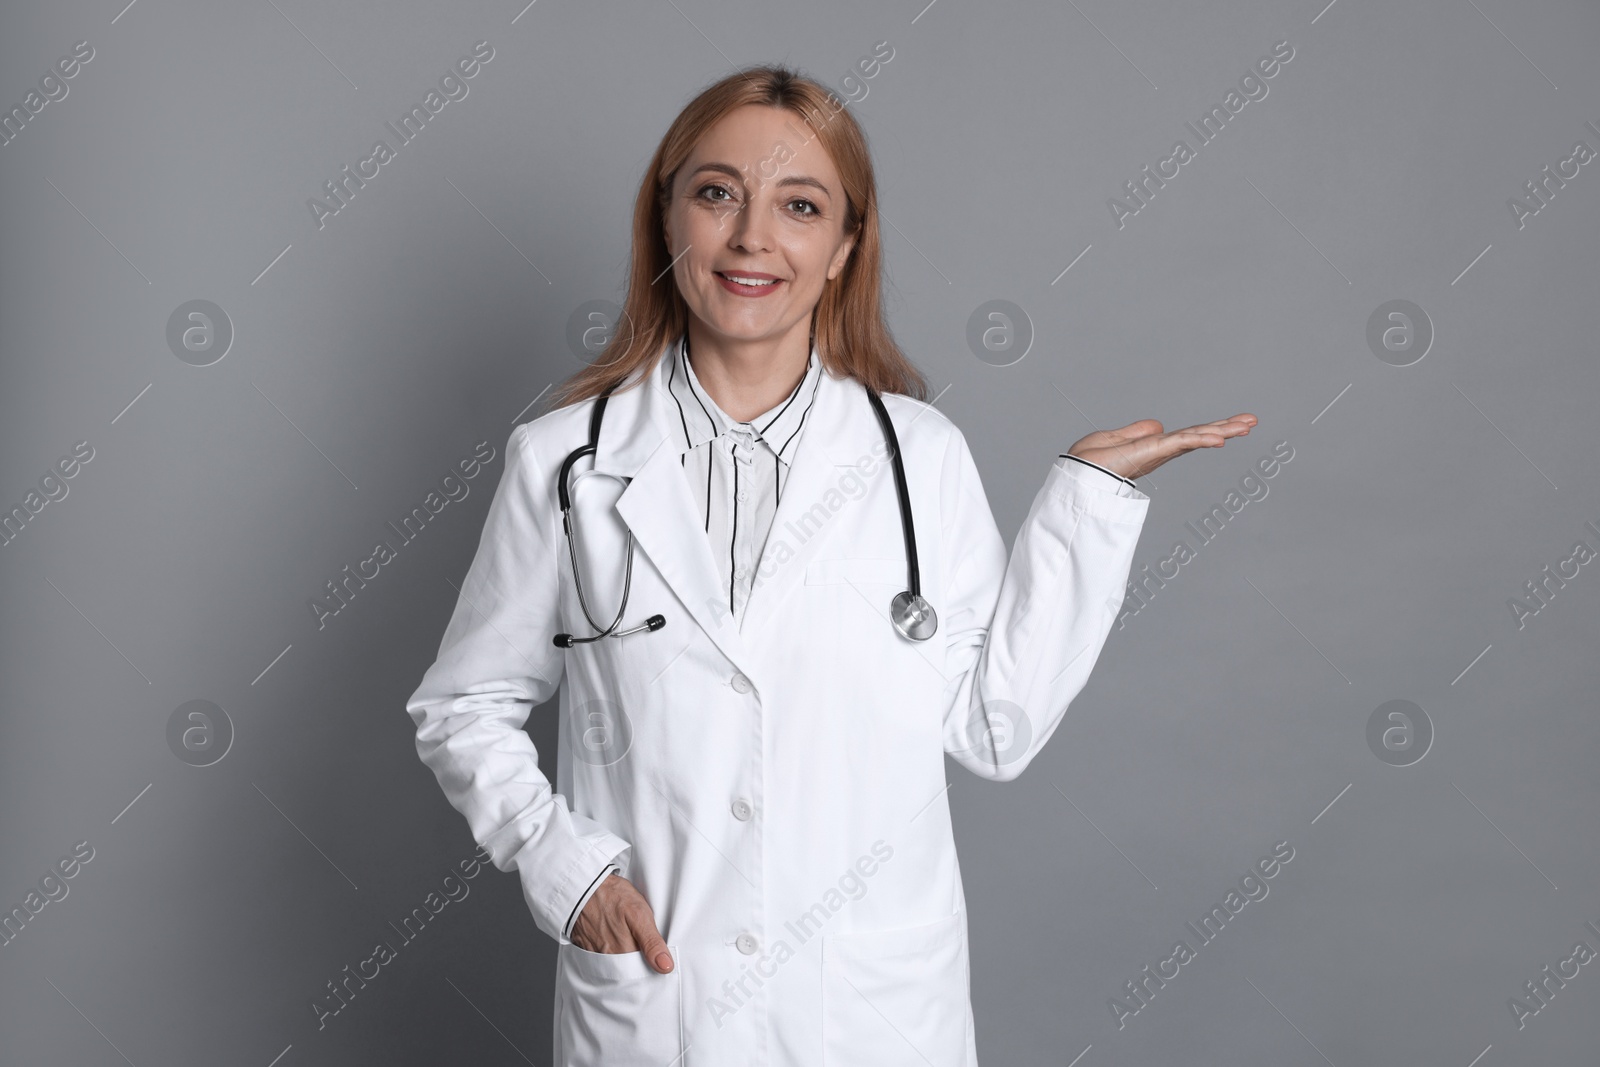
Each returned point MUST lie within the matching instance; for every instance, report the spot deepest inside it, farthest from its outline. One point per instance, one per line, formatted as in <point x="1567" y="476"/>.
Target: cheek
<point x="810" y="260"/>
<point x="692" y="250"/>
<point x="708" y="224"/>
<point x="693" y="283"/>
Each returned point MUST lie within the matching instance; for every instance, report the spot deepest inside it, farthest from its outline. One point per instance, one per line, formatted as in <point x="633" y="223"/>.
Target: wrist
<point x="1099" y="467"/>
<point x="588" y="894"/>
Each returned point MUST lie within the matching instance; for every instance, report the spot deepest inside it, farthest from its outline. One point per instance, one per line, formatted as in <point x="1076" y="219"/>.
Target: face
<point x="760" y="200"/>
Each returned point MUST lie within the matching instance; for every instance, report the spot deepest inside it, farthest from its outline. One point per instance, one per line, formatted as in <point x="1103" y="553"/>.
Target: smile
<point x="748" y="284"/>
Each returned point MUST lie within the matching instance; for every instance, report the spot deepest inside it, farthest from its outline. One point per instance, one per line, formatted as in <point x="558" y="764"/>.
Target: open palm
<point x="1140" y="447"/>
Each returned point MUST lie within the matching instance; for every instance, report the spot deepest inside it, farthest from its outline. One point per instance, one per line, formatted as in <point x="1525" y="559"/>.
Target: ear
<point x="841" y="257"/>
<point x="666" y="231"/>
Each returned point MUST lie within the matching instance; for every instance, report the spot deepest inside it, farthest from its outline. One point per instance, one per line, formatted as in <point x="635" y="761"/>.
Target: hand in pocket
<point x="618" y="919"/>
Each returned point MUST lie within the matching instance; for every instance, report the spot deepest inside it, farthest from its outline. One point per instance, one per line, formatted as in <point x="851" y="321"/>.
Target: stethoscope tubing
<point x="567" y="525"/>
<point x="912" y="616"/>
<point x="902" y="493"/>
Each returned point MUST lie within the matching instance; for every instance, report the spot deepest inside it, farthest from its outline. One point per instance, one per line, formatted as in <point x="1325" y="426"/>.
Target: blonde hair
<point x="851" y="336"/>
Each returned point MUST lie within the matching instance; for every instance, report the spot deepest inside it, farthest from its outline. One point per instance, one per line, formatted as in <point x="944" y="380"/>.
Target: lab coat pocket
<point x="856" y="570"/>
<point x="617" y="1010"/>
<point x="896" y="996"/>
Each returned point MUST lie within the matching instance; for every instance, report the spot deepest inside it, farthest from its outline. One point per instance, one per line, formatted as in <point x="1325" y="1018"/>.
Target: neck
<point x="746" y="378"/>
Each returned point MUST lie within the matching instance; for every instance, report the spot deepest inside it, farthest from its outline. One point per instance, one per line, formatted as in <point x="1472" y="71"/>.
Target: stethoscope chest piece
<point x="913" y="616"/>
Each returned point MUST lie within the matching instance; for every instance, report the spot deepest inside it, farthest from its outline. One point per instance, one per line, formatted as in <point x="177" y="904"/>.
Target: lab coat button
<point x="742" y="809"/>
<point x="746" y="943"/>
<point x="740" y="683"/>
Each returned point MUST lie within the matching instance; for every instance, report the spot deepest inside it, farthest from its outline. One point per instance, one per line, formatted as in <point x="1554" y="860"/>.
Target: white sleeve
<point x="496" y="663"/>
<point x="1023" y="633"/>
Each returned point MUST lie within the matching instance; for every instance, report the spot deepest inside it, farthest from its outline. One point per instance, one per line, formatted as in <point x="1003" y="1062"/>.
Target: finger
<point x="1245" y="420"/>
<point x="1134" y="430"/>
<point x="1175" y="444"/>
<point x="1184" y="440"/>
<point x="1226" y="428"/>
<point x="649" y="940"/>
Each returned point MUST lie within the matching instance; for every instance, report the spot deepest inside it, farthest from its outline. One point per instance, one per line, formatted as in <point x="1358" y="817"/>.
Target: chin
<point x="741" y="329"/>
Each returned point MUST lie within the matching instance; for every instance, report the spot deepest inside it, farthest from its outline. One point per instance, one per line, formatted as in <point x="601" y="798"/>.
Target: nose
<point x="751" y="227"/>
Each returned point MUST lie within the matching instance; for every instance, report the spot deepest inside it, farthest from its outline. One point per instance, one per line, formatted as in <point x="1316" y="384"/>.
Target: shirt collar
<point x="701" y="420"/>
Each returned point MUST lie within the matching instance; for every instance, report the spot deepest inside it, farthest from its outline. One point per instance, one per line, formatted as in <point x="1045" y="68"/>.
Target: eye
<point x="713" y="187"/>
<point x="811" y="208"/>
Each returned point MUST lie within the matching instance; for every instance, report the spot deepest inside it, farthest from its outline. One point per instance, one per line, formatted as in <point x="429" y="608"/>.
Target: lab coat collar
<point x="641" y="440"/>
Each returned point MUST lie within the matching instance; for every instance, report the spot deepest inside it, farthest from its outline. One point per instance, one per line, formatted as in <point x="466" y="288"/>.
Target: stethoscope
<point x="910" y="613"/>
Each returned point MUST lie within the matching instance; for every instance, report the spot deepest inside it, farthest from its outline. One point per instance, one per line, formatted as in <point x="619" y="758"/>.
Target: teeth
<point x="749" y="281"/>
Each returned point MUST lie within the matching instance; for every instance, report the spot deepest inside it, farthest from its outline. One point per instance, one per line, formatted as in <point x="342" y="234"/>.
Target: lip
<point x="745" y="290"/>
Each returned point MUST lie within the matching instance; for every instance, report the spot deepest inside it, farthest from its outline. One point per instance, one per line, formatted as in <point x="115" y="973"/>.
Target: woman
<point x="748" y="855"/>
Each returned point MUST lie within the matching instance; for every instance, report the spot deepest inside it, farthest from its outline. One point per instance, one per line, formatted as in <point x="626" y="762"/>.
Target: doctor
<point x="747" y="855"/>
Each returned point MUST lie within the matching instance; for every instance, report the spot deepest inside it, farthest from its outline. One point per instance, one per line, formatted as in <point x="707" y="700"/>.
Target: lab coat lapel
<point x="637" y="441"/>
<point x="839" y="432"/>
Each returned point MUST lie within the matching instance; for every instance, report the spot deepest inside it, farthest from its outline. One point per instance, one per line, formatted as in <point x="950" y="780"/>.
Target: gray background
<point x="1228" y="714"/>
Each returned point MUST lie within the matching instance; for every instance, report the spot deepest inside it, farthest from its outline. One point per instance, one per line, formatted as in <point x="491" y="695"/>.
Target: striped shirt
<point x="738" y="469"/>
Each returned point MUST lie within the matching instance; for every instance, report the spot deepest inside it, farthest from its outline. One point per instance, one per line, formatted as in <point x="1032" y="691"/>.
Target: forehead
<point x="764" y="143"/>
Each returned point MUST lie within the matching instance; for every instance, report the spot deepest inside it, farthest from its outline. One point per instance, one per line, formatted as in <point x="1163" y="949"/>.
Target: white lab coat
<point x="776" y="791"/>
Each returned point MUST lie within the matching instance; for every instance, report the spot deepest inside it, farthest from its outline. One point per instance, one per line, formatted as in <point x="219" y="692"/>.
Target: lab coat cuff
<point x="554" y="887"/>
<point x="1095" y="492"/>
<point x="1123" y="483"/>
<point x="577" y="909"/>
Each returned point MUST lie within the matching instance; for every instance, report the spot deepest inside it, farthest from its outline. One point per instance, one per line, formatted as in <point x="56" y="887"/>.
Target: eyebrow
<point x="793" y="179"/>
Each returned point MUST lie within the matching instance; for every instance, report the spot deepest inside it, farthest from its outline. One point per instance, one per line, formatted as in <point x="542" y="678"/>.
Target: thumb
<point x="650" y="942"/>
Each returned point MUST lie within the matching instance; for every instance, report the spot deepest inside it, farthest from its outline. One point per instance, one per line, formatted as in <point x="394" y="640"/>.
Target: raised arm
<point x="1023" y="632"/>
